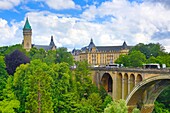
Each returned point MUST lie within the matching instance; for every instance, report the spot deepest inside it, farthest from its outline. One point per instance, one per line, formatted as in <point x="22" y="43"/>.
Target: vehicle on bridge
<point x="154" y="66"/>
<point x="114" y="65"/>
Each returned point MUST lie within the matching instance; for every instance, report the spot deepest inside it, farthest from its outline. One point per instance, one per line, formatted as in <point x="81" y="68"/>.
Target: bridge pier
<point x="130" y="108"/>
<point x="147" y="108"/>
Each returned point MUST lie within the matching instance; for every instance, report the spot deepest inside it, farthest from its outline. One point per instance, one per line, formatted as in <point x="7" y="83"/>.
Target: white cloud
<point x="166" y="3"/>
<point x="61" y="4"/>
<point x="9" y="4"/>
<point x="132" y="22"/>
<point x="68" y="31"/>
<point x="9" y="34"/>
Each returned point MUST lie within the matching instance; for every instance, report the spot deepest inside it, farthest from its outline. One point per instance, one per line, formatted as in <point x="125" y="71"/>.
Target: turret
<point x="124" y="46"/>
<point x="27" y="34"/>
<point x="91" y="45"/>
<point x="52" y="42"/>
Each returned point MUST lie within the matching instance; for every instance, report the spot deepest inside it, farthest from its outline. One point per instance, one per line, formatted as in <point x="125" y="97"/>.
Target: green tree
<point x="33" y="85"/>
<point x="64" y="56"/>
<point x="3" y="76"/>
<point x="118" y="106"/>
<point x="68" y="102"/>
<point x="5" y="50"/>
<point x="123" y="59"/>
<point x="160" y="108"/>
<point x="149" y="50"/>
<point x="103" y="93"/>
<point x="39" y="88"/>
<point x="83" y="79"/>
<point x="85" y="107"/>
<point x="20" y="88"/>
<point x="2" y="50"/>
<point x="14" y="59"/>
<point x="163" y="99"/>
<point x="91" y="105"/>
<point x="50" y="57"/>
<point x="164" y="59"/>
<point x="107" y="101"/>
<point x="95" y="100"/>
<point x="152" y="59"/>
<point x="60" y="88"/>
<point x="9" y="102"/>
<point x="136" y="59"/>
<point x="35" y="53"/>
<point x="135" y="110"/>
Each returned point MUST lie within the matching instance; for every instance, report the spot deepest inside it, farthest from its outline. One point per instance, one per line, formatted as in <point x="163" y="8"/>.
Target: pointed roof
<point x="91" y="45"/>
<point x="124" y="45"/>
<point x="105" y="48"/>
<point x="27" y="25"/>
<point x="91" y="40"/>
<point x="52" y="42"/>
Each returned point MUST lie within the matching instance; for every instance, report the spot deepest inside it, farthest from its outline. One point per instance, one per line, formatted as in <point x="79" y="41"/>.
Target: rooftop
<point x="27" y="25"/>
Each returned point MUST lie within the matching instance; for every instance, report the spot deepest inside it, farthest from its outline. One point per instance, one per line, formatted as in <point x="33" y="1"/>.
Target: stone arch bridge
<point x="139" y="87"/>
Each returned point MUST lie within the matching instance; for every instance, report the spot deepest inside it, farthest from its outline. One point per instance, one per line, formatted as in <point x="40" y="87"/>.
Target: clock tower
<point x="27" y="34"/>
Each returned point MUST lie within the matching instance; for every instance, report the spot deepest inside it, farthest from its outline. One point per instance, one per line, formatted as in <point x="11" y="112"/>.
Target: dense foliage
<point x="116" y="107"/>
<point x="14" y="59"/>
<point x="5" y="50"/>
<point x="9" y="102"/>
<point x="134" y="59"/>
<point x="45" y="83"/>
<point x="52" y="56"/>
<point x="3" y="76"/>
<point x="149" y="50"/>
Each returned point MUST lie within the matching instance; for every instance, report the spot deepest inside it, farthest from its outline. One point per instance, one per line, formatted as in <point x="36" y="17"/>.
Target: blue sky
<point x="74" y="22"/>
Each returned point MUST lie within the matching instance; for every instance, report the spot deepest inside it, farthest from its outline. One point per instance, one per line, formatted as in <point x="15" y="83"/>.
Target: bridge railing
<point x="163" y="71"/>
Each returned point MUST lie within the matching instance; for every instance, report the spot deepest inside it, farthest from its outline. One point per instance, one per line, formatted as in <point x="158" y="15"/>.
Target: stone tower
<point x="27" y="33"/>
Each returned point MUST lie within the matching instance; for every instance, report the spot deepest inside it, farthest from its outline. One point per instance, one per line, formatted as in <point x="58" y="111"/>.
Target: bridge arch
<point x="146" y="92"/>
<point x="107" y="82"/>
<point x="132" y="81"/>
<point x="138" y="78"/>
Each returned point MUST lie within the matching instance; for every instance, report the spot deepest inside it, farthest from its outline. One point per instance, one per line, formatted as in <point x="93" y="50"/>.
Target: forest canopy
<point x="42" y="81"/>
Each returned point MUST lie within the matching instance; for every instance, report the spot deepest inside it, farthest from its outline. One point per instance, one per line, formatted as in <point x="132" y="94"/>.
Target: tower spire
<point x="27" y="25"/>
<point x="52" y="42"/>
<point x="124" y="45"/>
<point x="91" y="40"/>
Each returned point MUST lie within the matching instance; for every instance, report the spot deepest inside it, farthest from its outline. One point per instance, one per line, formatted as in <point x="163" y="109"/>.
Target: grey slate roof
<point x="106" y="48"/>
<point x="45" y="47"/>
<point x="91" y="45"/>
<point x="102" y="48"/>
<point x="109" y="48"/>
<point x="75" y="51"/>
<point x="113" y="48"/>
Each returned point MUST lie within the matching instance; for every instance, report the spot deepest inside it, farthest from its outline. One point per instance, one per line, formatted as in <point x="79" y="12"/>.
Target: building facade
<point x="100" y="55"/>
<point x="27" y="41"/>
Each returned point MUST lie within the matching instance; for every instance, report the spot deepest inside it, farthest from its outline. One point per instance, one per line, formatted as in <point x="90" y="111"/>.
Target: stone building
<point x="100" y="55"/>
<point x="27" y="41"/>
